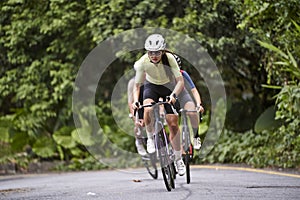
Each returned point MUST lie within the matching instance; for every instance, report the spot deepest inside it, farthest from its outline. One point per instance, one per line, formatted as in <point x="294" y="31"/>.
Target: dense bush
<point x="265" y="149"/>
<point x="43" y="43"/>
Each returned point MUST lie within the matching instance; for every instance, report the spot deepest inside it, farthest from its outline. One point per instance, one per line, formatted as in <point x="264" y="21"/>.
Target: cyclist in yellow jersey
<point x="155" y="72"/>
<point x="159" y="84"/>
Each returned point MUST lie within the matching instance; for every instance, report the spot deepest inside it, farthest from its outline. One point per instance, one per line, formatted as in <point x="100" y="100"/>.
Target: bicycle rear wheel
<point x="150" y="163"/>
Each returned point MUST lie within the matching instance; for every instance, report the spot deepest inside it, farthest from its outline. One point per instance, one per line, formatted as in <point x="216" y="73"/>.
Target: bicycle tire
<point x="187" y="167"/>
<point x="174" y="170"/>
<point x="188" y="148"/>
<point x="165" y="162"/>
<point x="150" y="165"/>
<point x="150" y="161"/>
<point x="168" y="177"/>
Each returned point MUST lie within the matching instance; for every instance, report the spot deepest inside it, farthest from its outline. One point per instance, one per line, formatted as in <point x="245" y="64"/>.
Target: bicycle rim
<point x="150" y="164"/>
<point x="165" y="165"/>
<point x="167" y="177"/>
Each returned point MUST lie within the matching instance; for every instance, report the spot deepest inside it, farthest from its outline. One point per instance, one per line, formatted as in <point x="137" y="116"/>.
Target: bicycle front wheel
<point x="187" y="166"/>
<point x="188" y="149"/>
<point x="165" y="162"/>
<point x="150" y="164"/>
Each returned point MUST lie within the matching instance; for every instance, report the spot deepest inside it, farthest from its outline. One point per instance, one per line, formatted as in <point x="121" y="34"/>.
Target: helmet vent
<point x="155" y="42"/>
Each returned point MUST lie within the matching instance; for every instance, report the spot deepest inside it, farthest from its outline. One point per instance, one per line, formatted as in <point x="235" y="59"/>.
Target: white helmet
<point x="155" y="42"/>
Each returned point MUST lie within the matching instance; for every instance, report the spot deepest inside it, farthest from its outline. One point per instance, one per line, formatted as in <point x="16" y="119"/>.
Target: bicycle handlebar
<point x="152" y="104"/>
<point x="185" y="111"/>
<point x="166" y="102"/>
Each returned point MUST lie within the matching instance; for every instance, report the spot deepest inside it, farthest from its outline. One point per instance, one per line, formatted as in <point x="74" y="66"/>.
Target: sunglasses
<point x="154" y="53"/>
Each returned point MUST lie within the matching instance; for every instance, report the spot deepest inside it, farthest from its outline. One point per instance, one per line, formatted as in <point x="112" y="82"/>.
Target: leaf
<point x="4" y="134"/>
<point x="83" y="136"/>
<point x="76" y="152"/>
<point x="63" y="137"/>
<point x="44" y="147"/>
<point x="292" y="59"/>
<point x="203" y="128"/>
<point x="272" y="86"/>
<point x="296" y="25"/>
<point x="266" y="121"/>
<point x="281" y="63"/>
<point x="19" y="140"/>
<point x="273" y="48"/>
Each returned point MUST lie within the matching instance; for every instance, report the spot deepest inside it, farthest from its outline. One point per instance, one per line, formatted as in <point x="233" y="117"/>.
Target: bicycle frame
<point x="186" y="139"/>
<point x="163" y="151"/>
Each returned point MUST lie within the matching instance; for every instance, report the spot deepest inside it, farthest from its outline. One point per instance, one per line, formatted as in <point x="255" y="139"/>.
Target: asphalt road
<point x="207" y="182"/>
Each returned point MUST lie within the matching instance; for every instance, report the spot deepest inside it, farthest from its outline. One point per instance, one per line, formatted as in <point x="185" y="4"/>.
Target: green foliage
<point x="64" y="138"/>
<point x="82" y="164"/>
<point x="38" y="66"/>
<point x="44" y="147"/>
<point x="288" y="99"/>
<point x="288" y="103"/>
<point x="265" y="149"/>
<point x="287" y="64"/>
<point x="267" y="121"/>
<point x="43" y="43"/>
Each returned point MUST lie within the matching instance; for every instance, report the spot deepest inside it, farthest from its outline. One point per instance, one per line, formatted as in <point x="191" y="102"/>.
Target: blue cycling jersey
<point x="188" y="83"/>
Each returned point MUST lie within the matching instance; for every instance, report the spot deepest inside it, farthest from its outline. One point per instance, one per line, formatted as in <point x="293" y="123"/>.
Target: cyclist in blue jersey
<point x="191" y="103"/>
<point x="188" y="103"/>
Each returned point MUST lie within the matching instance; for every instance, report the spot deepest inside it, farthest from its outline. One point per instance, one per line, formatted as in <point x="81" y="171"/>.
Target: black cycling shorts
<point x="154" y="92"/>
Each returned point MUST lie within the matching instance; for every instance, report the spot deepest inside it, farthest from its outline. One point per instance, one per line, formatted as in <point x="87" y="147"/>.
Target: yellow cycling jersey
<point x="155" y="73"/>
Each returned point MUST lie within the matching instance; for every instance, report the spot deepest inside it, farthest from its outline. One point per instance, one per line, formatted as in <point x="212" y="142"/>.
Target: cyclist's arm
<point x="136" y="92"/>
<point x="196" y="96"/>
<point x="139" y="79"/>
<point x="193" y="89"/>
<point x="178" y="87"/>
<point x="189" y="84"/>
<point x="130" y="96"/>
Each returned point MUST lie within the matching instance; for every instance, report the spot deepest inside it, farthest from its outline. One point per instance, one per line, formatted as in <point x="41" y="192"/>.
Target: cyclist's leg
<point x="149" y="123"/>
<point x="193" y="116"/>
<point x="148" y="116"/>
<point x="194" y="119"/>
<point x="149" y="95"/>
<point x="189" y="104"/>
<point x="172" y="121"/>
<point x="139" y="137"/>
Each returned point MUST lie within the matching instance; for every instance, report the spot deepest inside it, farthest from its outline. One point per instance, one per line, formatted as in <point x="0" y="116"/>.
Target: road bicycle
<point x="186" y="141"/>
<point x="163" y="147"/>
<point x="149" y="160"/>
